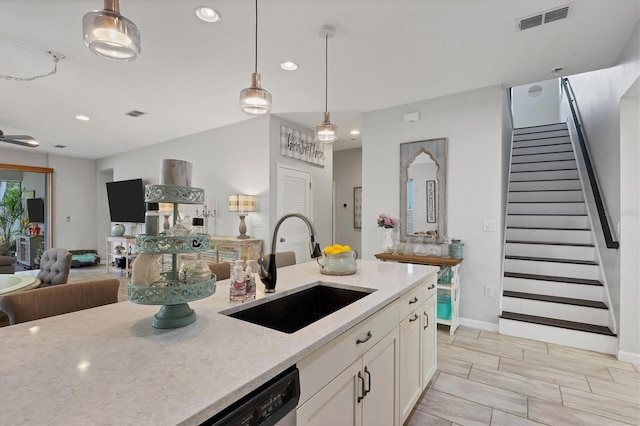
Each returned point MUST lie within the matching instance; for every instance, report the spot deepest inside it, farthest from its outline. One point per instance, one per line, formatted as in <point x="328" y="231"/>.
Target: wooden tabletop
<point x="421" y="260"/>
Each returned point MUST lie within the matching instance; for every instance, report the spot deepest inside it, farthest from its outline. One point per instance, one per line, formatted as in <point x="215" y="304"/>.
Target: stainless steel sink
<point x="292" y="311"/>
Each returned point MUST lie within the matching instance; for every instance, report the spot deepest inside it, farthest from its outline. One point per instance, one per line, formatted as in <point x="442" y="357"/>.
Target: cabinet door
<point x="380" y="370"/>
<point x="338" y="403"/>
<point x="428" y="341"/>
<point x="410" y="362"/>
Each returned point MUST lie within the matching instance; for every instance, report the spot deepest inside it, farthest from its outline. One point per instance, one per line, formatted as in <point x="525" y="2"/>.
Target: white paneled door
<point x="294" y="196"/>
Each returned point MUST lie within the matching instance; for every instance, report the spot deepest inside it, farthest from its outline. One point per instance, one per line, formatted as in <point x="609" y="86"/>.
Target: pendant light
<point x="325" y="131"/>
<point x="111" y="35"/>
<point x="254" y="99"/>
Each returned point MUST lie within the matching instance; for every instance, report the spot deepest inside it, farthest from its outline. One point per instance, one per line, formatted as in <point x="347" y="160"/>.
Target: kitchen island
<point x="108" y="365"/>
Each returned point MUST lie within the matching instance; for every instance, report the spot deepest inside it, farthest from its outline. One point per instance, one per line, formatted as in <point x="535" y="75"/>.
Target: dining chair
<point x="54" y="266"/>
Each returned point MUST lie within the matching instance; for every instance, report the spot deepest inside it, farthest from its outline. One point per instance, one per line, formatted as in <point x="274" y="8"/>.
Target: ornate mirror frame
<point x="437" y="150"/>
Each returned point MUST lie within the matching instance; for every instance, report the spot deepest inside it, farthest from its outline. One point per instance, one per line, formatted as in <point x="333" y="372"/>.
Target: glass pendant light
<point x="111" y="35"/>
<point x="254" y="99"/>
<point x="325" y="131"/>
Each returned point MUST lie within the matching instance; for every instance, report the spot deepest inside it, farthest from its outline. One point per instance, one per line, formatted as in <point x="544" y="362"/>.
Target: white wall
<point x="533" y="111"/>
<point x="347" y="174"/>
<point x="472" y="122"/>
<point x="598" y="97"/>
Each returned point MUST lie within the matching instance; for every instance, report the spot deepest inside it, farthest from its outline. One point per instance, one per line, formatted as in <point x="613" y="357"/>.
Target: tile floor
<point x="486" y="378"/>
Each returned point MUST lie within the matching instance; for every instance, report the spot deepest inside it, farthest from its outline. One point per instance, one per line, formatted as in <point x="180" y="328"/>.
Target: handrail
<point x="606" y="226"/>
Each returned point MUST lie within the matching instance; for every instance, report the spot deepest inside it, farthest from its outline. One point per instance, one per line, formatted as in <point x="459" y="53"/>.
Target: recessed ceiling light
<point x="289" y="66"/>
<point x="82" y="118"/>
<point x="355" y="132"/>
<point x="207" y="14"/>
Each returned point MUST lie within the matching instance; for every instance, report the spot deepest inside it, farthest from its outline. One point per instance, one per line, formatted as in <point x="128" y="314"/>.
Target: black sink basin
<point x="294" y="311"/>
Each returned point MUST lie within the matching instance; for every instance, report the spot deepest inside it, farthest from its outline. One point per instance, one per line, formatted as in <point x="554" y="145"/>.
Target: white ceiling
<point x="385" y="53"/>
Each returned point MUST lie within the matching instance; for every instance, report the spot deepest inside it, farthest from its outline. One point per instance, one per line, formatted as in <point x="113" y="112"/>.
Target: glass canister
<point x="455" y="249"/>
<point x="343" y="263"/>
<point x="199" y="273"/>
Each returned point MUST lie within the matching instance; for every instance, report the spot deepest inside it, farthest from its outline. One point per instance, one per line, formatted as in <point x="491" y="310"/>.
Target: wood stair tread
<point x="556" y="299"/>
<point x="552" y="260"/>
<point x="552" y="278"/>
<point x="544" y="190"/>
<point x="552" y="322"/>
<point x="548" y="243"/>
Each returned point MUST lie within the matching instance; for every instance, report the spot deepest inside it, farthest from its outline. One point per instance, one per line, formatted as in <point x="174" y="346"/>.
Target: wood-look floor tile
<point x="515" y="341"/>
<point x="422" y="418"/>
<point x="454" y="366"/>
<point x="470" y="356"/>
<point x="625" y="377"/>
<point x="555" y="414"/>
<point x="601" y="405"/>
<point x="588" y="356"/>
<point x="624" y="392"/>
<point x="454" y="409"/>
<point x="469" y="332"/>
<point x="433" y="379"/>
<point x="545" y="373"/>
<point x="490" y="347"/>
<point x="443" y="335"/>
<point x="567" y="364"/>
<point x="517" y="383"/>
<point x="480" y="393"/>
<point x="500" y="418"/>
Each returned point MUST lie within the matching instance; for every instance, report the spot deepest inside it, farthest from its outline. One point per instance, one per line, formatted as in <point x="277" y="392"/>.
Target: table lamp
<point x="242" y="204"/>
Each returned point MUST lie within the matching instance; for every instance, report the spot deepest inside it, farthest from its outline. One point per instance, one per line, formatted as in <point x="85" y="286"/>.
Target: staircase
<point x="553" y="287"/>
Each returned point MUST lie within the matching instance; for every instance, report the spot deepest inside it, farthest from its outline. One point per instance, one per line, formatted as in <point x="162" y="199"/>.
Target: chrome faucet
<point x="268" y="276"/>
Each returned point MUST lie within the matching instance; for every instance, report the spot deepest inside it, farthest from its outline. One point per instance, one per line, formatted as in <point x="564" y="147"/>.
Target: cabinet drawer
<point x="414" y="298"/>
<point x="320" y="367"/>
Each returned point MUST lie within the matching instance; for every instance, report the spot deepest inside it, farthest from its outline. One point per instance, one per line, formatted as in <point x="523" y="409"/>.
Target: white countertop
<point x="108" y="365"/>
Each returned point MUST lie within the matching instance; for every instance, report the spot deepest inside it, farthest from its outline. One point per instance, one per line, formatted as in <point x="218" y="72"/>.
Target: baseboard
<point x="629" y="357"/>
<point x="479" y="325"/>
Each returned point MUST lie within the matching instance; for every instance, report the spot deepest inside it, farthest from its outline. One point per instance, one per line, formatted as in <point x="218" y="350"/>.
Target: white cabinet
<point x="450" y="289"/>
<point x="417" y="344"/>
<point x="363" y="394"/>
<point x="120" y="246"/>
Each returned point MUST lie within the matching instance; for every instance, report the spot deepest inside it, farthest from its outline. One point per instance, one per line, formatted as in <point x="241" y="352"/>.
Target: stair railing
<point x="593" y="181"/>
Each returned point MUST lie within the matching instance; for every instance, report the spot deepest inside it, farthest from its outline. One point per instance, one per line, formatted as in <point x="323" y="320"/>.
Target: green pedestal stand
<point x="174" y="316"/>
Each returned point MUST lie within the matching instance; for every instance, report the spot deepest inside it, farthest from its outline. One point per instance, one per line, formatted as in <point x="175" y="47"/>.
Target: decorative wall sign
<point x="301" y="146"/>
<point x="357" y="207"/>
<point x="431" y="201"/>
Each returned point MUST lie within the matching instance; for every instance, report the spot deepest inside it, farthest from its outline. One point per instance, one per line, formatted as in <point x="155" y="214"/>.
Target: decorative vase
<point x="388" y="243"/>
<point x="117" y="229"/>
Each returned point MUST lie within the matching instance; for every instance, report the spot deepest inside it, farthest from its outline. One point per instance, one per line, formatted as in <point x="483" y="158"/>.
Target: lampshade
<point x="325" y="131"/>
<point x="241" y="203"/>
<point x="111" y="35"/>
<point x="254" y="99"/>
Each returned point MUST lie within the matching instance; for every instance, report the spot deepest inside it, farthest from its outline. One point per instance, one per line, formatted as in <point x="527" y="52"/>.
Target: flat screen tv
<point x="35" y="210"/>
<point x="126" y="201"/>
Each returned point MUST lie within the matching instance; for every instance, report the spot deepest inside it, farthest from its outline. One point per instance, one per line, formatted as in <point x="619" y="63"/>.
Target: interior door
<point x="294" y="196"/>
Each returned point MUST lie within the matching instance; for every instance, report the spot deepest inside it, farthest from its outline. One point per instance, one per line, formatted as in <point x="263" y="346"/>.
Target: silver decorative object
<point x="173" y="194"/>
<point x="164" y="244"/>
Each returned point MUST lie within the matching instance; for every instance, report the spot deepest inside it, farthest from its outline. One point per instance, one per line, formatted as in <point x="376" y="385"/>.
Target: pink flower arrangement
<point x="385" y="221"/>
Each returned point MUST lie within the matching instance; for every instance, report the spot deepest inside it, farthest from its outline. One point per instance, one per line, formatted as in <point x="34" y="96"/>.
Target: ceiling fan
<point x="22" y="140"/>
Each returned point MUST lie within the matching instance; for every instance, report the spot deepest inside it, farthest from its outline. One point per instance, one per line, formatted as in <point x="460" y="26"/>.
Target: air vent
<point x="135" y="113"/>
<point x="554" y="15"/>
<point x="543" y="17"/>
<point x="59" y="146"/>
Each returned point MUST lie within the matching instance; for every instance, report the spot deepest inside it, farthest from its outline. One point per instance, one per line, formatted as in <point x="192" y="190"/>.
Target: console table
<point x="26" y="247"/>
<point x="452" y="287"/>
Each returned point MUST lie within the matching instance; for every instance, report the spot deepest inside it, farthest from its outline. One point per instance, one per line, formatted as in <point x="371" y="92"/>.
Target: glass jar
<point x="199" y="273"/>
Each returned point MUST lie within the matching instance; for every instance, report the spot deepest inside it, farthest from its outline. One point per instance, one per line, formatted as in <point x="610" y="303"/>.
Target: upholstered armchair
<point x="7" y="262"/>
<point x="54" y="266"/>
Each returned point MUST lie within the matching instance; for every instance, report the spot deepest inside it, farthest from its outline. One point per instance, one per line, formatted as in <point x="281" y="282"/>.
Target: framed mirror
<point x="423" y="189"/>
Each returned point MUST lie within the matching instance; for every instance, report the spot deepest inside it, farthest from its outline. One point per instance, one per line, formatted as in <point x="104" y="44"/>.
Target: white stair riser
<point x="557" y="174"/>
<point x="546" y="196"/>
<point x="550" y="156"/>
<point x="542" y="149"/>
<point x="551" y="165"/>
<point x="543" y="128"/>
<point x="550" y="251"/>
<point x="560" y="236"/>
<point x="571" y="270"/>
<point x="545" y="185"/>
<point x="552" y="288"/>
<point x="560" y="222"/>
<point x="560" y="336"/>
<point x="541" y="135"/>
<point x="547" y="208"/>
<point x="560" y="311"/>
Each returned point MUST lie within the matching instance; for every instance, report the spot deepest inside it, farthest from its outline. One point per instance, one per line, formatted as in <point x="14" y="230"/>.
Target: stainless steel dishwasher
<point x="273" y="403"/>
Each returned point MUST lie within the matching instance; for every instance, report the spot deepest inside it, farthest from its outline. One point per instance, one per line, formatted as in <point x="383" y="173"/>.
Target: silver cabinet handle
<point x="414" y="300"/>
<point x="366" y="339"/>
<point x="415" y="317"/>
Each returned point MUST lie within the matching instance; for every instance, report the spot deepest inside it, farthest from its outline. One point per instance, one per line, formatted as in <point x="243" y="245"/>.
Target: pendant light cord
<point x="256" y="58"/>
<point x="326" y="71"/>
